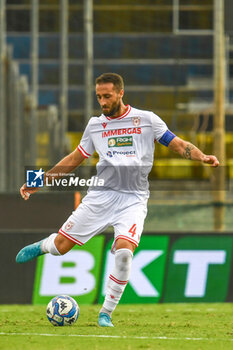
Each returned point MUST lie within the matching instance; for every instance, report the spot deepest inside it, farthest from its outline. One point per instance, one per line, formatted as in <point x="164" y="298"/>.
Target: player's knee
<point x="61" y="250"/>
<point x="63" y="244"/>
<point x="124" y="243"/>
<point x="123" y="259"/>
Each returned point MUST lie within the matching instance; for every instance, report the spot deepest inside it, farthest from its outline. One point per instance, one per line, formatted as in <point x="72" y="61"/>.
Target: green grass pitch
<point x="160" y="326"/>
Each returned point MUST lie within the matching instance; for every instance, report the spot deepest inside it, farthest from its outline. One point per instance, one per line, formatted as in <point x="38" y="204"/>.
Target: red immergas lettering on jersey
<point x="113" y="132"/>
<point x="106" y="133"/>
<point x="119" y="132"/>
<point x="133" y="230"/>
<point x="136" y="131"/>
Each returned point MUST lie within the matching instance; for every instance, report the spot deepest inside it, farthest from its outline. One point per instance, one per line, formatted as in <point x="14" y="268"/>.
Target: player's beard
<point x="115" y="110"/>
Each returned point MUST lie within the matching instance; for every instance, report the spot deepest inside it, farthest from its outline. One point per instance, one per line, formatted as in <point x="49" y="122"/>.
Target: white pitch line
<point x="114" y="336"/>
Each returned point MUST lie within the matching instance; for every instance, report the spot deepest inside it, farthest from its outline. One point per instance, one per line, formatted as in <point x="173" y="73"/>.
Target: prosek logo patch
<point x="120" y="141"/>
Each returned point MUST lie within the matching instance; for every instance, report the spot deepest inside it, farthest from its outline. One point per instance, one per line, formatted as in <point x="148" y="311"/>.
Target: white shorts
<point x="126" y="212"/>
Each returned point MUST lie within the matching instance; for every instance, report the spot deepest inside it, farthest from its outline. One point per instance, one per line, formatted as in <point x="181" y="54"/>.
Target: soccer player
<point x="124" y="137"/>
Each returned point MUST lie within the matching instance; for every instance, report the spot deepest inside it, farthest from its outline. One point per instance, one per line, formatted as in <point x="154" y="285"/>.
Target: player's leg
<point x="76" y="230"/>
<point x="128" y="225"/>
<point x="117" y="281"/>
<point x="55" y="244"/>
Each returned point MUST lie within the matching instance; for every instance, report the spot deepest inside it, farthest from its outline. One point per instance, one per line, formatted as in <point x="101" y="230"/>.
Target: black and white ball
<point x="62" y="310"/>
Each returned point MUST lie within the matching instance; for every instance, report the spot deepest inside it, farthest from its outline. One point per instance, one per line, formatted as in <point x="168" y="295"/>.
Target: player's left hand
<point x="211" y="160"/>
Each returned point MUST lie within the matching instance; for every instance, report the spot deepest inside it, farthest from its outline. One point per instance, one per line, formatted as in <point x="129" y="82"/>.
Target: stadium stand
<point x="166" y="71"/>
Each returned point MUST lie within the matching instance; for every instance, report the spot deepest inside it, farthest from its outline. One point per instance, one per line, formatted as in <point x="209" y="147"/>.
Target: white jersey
<point x="125" y="146"/>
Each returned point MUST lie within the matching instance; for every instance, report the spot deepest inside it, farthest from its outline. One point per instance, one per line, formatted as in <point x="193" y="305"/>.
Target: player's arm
<point x="188" y="151"/>
<point x="65" y="166"/>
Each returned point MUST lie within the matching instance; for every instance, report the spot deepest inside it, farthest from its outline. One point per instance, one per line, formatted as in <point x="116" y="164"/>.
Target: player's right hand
<point x="26" y="191"/>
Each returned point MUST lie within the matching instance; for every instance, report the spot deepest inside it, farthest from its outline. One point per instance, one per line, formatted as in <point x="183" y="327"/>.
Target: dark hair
<point x="113" y="78"/>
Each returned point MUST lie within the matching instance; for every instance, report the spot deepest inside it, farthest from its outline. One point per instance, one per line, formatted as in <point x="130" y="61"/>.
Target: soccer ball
<point x="62" y="310"/>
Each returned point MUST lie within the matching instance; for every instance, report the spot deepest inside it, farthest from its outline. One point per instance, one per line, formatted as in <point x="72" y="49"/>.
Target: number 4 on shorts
<point x="133" y="230"/>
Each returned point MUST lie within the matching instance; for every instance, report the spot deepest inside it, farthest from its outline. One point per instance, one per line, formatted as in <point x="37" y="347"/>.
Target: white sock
<point x="117" y="280"/>
<point x="48" y="245"/>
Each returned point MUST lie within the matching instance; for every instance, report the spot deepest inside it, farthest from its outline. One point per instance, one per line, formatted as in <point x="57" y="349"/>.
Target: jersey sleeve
<point x="161" y="132"/>
<point x="86" y="146"/>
